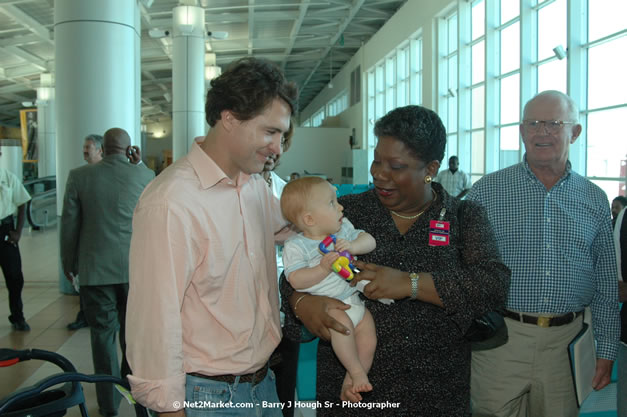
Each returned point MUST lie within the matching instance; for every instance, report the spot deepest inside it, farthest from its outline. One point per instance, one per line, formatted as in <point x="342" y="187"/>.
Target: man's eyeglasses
<point x="551" y="126"/>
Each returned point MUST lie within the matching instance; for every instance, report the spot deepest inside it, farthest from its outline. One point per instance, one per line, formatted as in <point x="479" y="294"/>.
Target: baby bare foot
<point x="361" y="383"/>
<point x="347" y="393"/>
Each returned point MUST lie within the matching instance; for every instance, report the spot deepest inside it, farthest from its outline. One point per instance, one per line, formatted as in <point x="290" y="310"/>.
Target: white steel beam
<point x="25" y="20"/>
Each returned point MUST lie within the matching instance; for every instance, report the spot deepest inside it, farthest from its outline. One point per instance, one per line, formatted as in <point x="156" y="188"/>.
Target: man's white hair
<point x="573" y="111"/>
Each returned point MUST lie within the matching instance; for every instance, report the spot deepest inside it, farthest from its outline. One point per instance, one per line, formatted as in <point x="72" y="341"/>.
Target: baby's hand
<point x="327" y="260"/>
<point x="342" y="245"/>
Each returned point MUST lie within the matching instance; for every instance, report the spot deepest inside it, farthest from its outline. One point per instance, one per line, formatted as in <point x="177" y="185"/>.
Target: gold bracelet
<point x="296" y="304"/>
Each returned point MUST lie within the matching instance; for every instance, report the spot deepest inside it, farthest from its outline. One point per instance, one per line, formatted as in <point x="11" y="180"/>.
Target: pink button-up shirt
<point x="203" y="291"/>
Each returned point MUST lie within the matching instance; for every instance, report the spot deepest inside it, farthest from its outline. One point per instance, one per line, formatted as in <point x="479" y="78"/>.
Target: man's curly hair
<point x="246" y="88"/>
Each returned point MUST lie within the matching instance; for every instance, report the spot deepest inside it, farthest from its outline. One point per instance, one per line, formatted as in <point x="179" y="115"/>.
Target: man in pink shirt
<point x="203" y="308"/>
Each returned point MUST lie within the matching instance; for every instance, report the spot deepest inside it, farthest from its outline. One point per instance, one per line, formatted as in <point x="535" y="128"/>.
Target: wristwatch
<point x="414" y="285"/>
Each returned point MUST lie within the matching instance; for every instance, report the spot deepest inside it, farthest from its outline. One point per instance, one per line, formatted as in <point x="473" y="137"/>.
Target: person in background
<point x="554" y="232"/>
<point x="13" y="197"/>
<point x="284" y="361"/>
<point x="92" y="153"/>
<point x="95" y="238"/>
<point x="93" y="148"/>
<point x="455" y="181"/>
<point x="618" y="204"/>
<point x="620" y="240"/>
<point x="294" y="176"/>
<point x="203" y="288"/>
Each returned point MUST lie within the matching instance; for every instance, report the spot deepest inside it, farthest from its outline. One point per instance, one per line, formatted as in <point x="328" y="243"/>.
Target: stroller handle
<point x="61" y="378"/>
<point x="10" y="357"/>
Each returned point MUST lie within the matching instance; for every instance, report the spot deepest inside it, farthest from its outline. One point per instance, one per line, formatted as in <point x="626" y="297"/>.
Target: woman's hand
<point x="385" y="282"/>
<point x="313" y="311"/>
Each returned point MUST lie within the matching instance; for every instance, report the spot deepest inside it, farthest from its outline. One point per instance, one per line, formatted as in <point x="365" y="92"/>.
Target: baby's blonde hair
<point x="296" y="196"/>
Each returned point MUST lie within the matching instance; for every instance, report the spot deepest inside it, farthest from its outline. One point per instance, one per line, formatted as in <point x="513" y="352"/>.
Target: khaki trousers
<point x="529" y="376"/>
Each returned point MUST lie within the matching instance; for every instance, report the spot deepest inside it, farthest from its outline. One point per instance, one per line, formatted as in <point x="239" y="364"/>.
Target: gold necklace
<point x="415" y="216"/>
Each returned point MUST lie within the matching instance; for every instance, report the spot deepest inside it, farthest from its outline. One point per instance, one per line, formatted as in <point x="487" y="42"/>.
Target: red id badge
<point x="439" y="233"/>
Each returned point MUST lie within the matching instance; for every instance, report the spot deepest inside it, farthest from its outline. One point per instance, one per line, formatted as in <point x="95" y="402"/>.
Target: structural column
<point x="188" y="82"/>
<point x="97" y="72"/>
<point x="46" y="128"/>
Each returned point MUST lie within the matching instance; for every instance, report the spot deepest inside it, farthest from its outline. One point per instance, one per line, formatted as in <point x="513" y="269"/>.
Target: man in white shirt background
<point x="455" y="181"/>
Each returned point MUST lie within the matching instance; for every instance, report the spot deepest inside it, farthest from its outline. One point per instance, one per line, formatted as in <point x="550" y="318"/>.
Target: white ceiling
<point x="309" y="39"/>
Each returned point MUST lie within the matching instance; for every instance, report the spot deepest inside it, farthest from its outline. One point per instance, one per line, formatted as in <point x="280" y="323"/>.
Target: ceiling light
<point x="212" y="72"/>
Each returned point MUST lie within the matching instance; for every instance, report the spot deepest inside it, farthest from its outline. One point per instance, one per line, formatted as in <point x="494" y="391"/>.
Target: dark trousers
<point x="11" y="264"/>
<point x="105" y="311"/>
<point x="80" y="316"/>
<point x="285" y="372"/>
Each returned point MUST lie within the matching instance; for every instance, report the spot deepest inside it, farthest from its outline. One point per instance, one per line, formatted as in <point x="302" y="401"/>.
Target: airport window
<point x="393" y="82"/>
<point x="517" y="49"/>
<point x="552" y="18"/>
<point x="606" y="105"/>
<point x="317" y="118"/>
<point x="338" y="104"/>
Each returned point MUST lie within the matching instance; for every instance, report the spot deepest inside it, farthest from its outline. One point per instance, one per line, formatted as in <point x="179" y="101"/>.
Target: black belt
<point x="252" y="378"/>
<point x="7" y="220"/>
<point x="543" y="321"/>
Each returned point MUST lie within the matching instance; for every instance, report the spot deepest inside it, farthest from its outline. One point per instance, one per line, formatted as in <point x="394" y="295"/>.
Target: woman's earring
<point x="428" y="179"/>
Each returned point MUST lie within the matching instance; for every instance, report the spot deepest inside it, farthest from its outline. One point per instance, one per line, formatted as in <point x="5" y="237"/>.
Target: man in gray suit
<point x="95" y="239"/>
<point x="92" y="154"/>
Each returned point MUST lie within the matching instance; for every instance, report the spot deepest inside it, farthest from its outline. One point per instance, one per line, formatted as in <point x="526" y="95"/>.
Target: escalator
<point x="41" y="210"/>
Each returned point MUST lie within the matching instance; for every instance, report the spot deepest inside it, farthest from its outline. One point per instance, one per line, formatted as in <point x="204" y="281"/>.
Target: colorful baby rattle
<point x="343" y="266"/>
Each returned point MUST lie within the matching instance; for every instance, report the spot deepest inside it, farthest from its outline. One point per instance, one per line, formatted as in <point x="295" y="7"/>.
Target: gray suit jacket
<point x="96" y="223"/>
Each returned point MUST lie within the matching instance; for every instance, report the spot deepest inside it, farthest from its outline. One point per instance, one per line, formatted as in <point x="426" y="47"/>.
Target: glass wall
<point x="494" y="55"/>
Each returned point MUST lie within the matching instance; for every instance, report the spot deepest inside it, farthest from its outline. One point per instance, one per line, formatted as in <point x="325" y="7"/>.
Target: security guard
<point x="13" y="196"/>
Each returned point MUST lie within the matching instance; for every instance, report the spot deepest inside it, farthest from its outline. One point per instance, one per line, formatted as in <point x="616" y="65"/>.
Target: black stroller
<point x="46" y="398"/>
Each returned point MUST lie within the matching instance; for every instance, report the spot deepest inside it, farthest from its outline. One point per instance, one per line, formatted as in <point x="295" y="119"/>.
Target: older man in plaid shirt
<point x="554" y="232"/>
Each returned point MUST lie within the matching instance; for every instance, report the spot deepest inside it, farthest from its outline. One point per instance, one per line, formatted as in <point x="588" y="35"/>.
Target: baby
<point x="311" y="205"/>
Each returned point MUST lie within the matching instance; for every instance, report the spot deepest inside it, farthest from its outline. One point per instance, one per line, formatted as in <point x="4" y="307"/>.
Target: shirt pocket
<point x="208" y="395"/>
<point x="6" y="200"/>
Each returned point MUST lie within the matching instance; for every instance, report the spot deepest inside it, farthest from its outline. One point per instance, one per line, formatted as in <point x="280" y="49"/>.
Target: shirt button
<point x="548" y="220"/>
<point x="548" y="273"/>
<point x="548" y="246"/>
<point x="546" y="300"/>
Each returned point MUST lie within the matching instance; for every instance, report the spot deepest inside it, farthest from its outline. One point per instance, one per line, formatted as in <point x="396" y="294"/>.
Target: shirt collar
<point x="209" y="173"/>
<point x="532" y="176"/>
<point x="115" y="156"/>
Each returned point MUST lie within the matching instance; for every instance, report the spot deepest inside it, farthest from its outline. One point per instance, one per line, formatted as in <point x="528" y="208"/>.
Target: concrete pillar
<point x="46" y="128"/>
<point x="188" y="81"/>
<point x="97" y="77"/>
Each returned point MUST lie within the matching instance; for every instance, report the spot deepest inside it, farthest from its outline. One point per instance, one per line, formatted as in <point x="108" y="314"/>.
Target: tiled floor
<point x="48" y="312"/>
